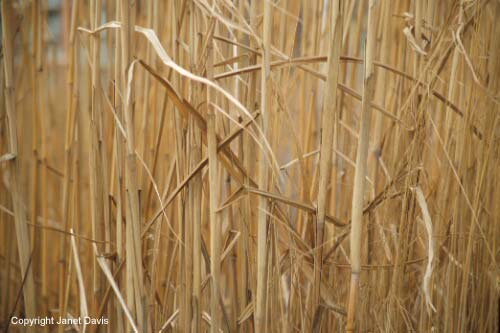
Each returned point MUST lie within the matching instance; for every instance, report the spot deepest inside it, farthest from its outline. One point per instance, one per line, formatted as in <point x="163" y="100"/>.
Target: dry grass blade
<point x="81" y="282"/>
<point x="430" y="255"/>
<point x="116" y="289"/>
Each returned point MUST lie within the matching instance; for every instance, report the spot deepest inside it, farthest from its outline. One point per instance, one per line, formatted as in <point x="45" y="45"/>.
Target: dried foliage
<point x="250" y="165"/>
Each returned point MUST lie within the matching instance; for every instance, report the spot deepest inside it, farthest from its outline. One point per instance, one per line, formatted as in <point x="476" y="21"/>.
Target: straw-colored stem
<point x="263" y="181"/>
<point x="22" y="234"/>
<point x="135" y="278"/>
<point x="327" y="121"/>
<point x="360" y="173"/>
<point x="215" y="221"/>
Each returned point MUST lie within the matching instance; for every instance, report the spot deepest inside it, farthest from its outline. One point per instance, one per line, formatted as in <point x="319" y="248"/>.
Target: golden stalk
<point x="360" y="172"/>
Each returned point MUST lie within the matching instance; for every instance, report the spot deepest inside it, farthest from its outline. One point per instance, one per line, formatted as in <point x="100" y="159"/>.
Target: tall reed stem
<point x="327" y="120"/>
<point x="135" y="276"/>
<point x="215" y="222"/>
<point x="263" y="180"/>
<point x="22" y="233"/>
<point x="360" y="173"/>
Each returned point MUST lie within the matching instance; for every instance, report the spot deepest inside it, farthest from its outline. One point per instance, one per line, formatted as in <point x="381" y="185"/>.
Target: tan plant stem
<point x="360" y="173"/>
<point x="263" y="177"/>
<point x="22" y="234"/>
<point x="135" y="281"/>
<point x="215" y="221"/>
<point x="327" y="121"/>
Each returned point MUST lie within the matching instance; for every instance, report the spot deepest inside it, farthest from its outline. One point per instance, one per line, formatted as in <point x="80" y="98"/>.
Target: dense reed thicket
<point x="250" y="165"/>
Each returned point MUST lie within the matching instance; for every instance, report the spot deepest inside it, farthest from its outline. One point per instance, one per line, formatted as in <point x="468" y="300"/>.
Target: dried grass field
<point x="249" y="166"/>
